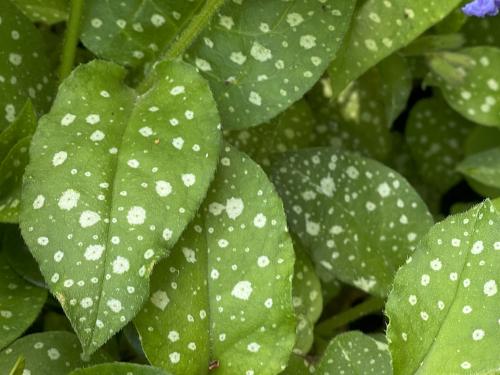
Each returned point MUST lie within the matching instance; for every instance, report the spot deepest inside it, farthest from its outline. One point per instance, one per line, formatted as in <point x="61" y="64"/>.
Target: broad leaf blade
<point x="47" y="11"/>
<point x="48" y="353"/>
<point x="483" y="167"/>
<point x="118" y="368"/>
<point x="380" y="28"/>
<point x="20" y="303"/>
<point x="23" y="126"/>
<point x="224" y="297"/>
<point x="114" y="179"/>
<point x="358" y="218"/>
<point x="444" y="304"/>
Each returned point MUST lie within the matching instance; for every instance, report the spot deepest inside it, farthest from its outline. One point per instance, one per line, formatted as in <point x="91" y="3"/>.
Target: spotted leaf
<point x="115" y="177"/>
<point x="476" y="95"/>
<point x="355" y="353"/>
<point x="297" y="365"/>
<point x="379" y="28"/>
<point x="23" y="126"/>
<point x="291" y="130"/>
<point x="118" y="368"/>
<point x="483" y="167"/>
<point x="445" y="301"/>
<point x="48" y="353"/>
<point x="24" y="65"/>
<point x="223" y="298"/>
<point x="482" y="31"/>
<point x="133" y="32"/>
<point x="273" y="52"/>
<point x="358" y="218"/>
<point x="20" y="303"/>
<point x="436" y="136"/>
<point x="46" y="11"/>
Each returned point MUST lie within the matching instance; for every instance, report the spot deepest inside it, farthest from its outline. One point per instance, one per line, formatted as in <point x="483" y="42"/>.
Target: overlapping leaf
<point x="118" y="368"/>
<point x="24" y="67"/>
<point x="483" y="167"/>
<point x="436" y="136"/>
<point x="224" y="297"/>
<point x="48" y="353"/>
<point x="444" y="307"/>
<point x="47" y="11"/>
<point x="482" y="31"/>
<point x="475" y="94"/>
<point x="355" y="353"/>
<point x="115" y="177"/>
<point x="20" y="303"/>
<point x="380" y="28"/>
<point x="358" y="218"/>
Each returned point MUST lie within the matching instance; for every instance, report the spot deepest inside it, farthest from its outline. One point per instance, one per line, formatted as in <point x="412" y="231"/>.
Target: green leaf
<point x="18" y="367"/>
<point x="133" y="32"/>
<point x="297" y="365"/>
<point x="379" y="29"/>
<point x="46" y="11"/>
<point x="48" y="353"/>
<point x="25" y="70"/>
<point x="224" y="297"/>
<point x="23" y="126"/>
<point x="290" y="130"/>
<point x="358" y="218"/>
<point x="116" y="176"/>
<point x="20" y="303"/>
<point x="482" y="31"/>
<point x="307" y="300"/>
<point x="475" y="95"/>
<point x="443" y="310"/>
<point x="11" y="175"/>
<point x="483" y="167"/>
<point x="436" y="136"/>
<point x="361" y="117"/>
<point x="355" y="353"/>
<point x="261" y="56"/>
<point x="118" y="368"/>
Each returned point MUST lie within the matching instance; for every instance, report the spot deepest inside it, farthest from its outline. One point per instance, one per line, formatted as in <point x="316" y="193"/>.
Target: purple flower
<point x="482" y="8"/>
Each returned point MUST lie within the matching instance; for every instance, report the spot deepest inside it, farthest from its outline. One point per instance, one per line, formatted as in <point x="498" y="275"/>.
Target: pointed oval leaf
<point x="133" y="32"/>
<point x="477" y="95"/>
<point x="25" y="70"/>
<point x="20" y="303"/>
<point x="355" y="353"/>
<point x="483" y="167"/>
<point x="115" y="177"/>
<point x="274" y="51"/>
<point x="46" y="11"/>
<point x="436" y="136"/>
<point x="118" y="368"/>
<point x="445" y="301"/>
<point x="48" y="353"/>
<point x="358" y="218"/>
<point x="380" y="28"/>
<point x="224" y="297"/>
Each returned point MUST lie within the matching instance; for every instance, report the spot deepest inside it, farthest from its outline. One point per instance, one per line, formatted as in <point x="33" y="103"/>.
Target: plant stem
<point x="328" y="327"/>
<point x="71" y="38"/>
<point x="193" y="29"/>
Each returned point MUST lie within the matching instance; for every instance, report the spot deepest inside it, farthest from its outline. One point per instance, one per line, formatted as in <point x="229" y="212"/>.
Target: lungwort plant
<point x="249" y="187"/>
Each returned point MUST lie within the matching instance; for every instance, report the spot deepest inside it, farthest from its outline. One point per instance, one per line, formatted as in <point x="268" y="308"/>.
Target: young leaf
<point x="290" y="130"/>
<point x="11" y="174"/>
<point x="380" y="28"/>
<point x="53" y="353"/>
<point x="224" y="297"/>
<point x="133" y="32"/>
<point x="261" y="56"/>
<point x="20" y="303"/>
<point x="355" y="353"/>
<point x="46" y="11"/>
<point x="115" y="177"/>
<point x="358" y="218"/>
<point x="24" y="67"/>
<point x="118" y="368"/>
<point x="476" y="95"/>
<point x="436" y="136"/>
<point x="483" y="167"/>
<point x="443" y="309"/>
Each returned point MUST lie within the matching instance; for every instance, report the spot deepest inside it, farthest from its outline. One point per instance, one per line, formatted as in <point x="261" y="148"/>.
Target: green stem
<point x="193" y="29"/>
<point x="328" y="327"/>
<point x="71" y="38"/>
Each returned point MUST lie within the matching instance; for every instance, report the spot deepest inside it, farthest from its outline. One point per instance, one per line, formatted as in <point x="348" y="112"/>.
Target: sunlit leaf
<point x="118" y="368"/>
<point x="48" y="353"/>
<point x="20" y="303"/>
<point x="223" y="298"/>
<point x="358" y="218"/>
<point x="115" y="177"/>
<point x="443" y="310"/>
